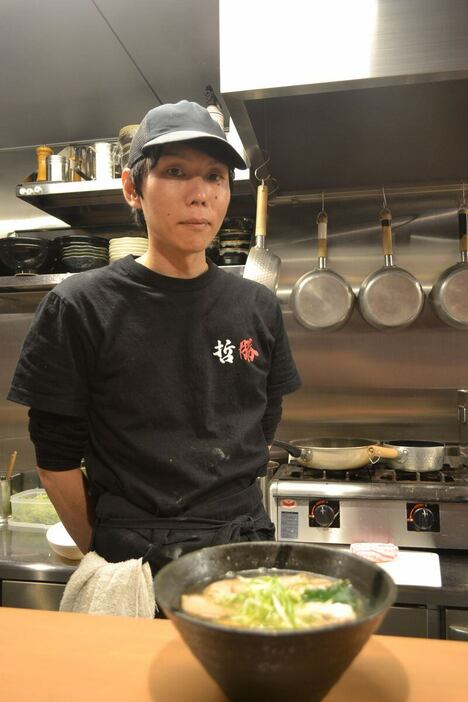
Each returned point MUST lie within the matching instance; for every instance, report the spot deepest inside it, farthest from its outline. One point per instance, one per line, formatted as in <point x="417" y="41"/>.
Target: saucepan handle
<point x="463" y="229"/>
<point x="378" y="451"/>
<point x="386" y="222"/>
<point x="261" y="215"/>
<point x="295" y="451"/>
<point x="322" y="222"/>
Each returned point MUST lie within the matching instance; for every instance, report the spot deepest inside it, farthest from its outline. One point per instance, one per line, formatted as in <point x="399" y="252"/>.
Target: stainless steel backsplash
<point x="358" y="381"/>
<point x="13" y="418"/>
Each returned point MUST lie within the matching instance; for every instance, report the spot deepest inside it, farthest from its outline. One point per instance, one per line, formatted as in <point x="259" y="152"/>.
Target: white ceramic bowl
<point x="62" y="543"/>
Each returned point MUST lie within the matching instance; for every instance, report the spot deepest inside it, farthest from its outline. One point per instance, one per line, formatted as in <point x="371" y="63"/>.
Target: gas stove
<point x="374" y="503"/>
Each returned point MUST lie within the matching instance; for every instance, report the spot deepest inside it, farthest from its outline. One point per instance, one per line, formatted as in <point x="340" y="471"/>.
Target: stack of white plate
<point x="125" y="245"/>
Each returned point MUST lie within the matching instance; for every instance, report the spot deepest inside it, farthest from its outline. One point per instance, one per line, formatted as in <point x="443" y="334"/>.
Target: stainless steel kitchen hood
<point x="350" y="94"/>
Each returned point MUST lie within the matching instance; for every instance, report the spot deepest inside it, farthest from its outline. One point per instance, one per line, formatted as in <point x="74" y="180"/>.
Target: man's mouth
<point x="196" y="221"/>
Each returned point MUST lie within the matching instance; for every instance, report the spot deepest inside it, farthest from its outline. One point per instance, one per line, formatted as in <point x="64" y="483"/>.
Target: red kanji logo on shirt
<point x="246" y="350"/>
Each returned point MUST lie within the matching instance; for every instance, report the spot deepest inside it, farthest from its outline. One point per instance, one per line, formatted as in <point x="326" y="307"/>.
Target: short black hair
<point x="141" y="168"/>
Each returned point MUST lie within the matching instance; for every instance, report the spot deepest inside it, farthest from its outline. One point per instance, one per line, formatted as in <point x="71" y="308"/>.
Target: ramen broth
<point x="275" y="599"/>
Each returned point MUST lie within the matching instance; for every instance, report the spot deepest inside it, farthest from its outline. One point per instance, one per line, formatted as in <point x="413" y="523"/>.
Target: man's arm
<point x="60" y="442"/>
<point x="272" y="418"/>
<point x="68" y="493"/>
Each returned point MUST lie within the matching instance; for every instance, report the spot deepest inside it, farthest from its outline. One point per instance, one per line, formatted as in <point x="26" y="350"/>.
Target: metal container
<point x="104" y="165"/>
<point x="417" y="456"/>
<point x="463" y="426"/>
<point x="58" y="168"/>
<point x="5" y="495"/>
<point x="85" y="162"/>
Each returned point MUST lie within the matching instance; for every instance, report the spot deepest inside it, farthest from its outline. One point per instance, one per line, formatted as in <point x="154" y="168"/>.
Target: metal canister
<point x="463" y="425"/>
<point x="58" y="167"/>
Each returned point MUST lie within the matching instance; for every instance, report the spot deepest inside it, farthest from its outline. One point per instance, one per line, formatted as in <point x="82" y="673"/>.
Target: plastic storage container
<point x="32" y="508"/>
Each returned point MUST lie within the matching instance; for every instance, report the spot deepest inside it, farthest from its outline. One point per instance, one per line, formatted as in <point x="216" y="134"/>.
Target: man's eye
<point x="174" y="172"/>
<point x="216" y="177"/>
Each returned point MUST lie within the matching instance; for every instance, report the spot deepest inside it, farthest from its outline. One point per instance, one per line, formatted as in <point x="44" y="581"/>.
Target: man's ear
<point x="130" y="194"/>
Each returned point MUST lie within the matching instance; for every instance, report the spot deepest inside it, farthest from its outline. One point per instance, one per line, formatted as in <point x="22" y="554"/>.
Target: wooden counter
<point x="57" y="657"/>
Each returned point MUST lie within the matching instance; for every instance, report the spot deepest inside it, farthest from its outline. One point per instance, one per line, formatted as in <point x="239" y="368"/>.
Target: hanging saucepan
<point x="336" y="453"/>
<point x="417" y="456"/>
<point x="321" y="299"/>
<point x="449" y="296"/>
<point x="390" y="298"/>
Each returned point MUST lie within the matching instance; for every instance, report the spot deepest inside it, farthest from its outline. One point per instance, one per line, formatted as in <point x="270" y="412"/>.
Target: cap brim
<point x="234" y="157"/>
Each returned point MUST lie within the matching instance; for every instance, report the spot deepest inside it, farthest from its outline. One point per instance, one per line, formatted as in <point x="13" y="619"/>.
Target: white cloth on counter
<point x="375" y="552"/>
<point x="122" y="589"/>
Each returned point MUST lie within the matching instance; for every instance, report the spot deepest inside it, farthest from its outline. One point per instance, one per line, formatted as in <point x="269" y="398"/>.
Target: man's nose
<point x="198" y="191"/>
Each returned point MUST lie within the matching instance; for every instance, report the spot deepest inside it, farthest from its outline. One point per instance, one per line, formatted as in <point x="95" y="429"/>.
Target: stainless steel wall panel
<point x="13" y="417"/>
<point x="358" y="380"/>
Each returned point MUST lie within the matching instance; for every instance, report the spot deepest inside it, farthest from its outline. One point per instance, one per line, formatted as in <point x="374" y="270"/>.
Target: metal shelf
<point x="31" y="283"/>
<point x="84" y="203"/>
<point x="93" y="203"/>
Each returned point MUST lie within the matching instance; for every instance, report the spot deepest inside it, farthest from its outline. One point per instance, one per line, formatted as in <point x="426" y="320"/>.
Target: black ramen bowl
<point x="257" y="665"/>
<point x="23" y="255"/>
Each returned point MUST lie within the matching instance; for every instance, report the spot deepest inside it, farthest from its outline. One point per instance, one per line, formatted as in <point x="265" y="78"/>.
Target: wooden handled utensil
<point x="262" y="265"/>
<point x="390" y="298"/>
<point x="449" y="296"/>
<point x="11" y="465"/>
<point x="322" y="300"/>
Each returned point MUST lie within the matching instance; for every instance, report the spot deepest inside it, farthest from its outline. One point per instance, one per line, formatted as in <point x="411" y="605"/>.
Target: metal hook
<point x="384" y="198"/>
<point x="463" y="194"/>
<point x="276" y="188"/>
<point x="323" y="201"/>
<point x="266" y="156"/>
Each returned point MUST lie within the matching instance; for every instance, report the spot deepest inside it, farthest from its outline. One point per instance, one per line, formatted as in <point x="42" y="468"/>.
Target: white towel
<point x="375" y="552"/>
<point x="122" y="589"/>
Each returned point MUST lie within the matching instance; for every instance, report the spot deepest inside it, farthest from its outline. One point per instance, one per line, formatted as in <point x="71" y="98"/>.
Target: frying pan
<point x="417" y="456"/>
<point x="322" y="299"/>
<point x="336" y="454"/>
<point x="262" y="265"/>
<point x="390" y="298"/>
<point x="449" y="296"/>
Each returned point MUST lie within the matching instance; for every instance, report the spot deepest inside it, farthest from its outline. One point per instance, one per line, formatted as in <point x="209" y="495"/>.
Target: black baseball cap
<point x="182" y="121"/>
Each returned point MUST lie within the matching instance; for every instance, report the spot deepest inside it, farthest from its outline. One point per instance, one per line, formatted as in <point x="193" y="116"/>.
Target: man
<point x="165" y="373"/>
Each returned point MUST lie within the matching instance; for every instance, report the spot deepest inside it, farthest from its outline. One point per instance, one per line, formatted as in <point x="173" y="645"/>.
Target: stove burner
<point x="374" y="473"/>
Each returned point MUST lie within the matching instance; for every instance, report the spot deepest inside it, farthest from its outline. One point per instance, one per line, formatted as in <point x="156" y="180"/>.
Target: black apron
<point x="123" y="530"/>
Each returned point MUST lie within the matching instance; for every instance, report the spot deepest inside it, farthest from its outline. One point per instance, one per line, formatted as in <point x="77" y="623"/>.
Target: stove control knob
<point x="423" y="519"/>
<point x="324" y="515"/>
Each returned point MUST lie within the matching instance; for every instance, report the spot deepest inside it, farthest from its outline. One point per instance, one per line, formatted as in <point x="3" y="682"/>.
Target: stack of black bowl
<point x="212" y="250"/>
<point x="80" y="252"/>
<point x="235" y="239"/>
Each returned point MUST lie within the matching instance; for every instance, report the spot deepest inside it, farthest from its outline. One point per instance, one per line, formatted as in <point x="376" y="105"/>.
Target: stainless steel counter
<point x="26" y="555"/>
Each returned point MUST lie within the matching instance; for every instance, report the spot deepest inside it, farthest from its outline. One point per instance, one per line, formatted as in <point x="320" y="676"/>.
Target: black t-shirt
<point x="173" y="376"/>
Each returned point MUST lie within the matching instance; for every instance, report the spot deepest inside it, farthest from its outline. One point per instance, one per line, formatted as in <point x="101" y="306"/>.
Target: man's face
<point x="185" y="198"/>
